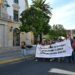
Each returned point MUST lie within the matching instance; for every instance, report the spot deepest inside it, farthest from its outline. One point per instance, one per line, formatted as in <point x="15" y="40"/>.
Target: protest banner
<point x="59" y="49"/>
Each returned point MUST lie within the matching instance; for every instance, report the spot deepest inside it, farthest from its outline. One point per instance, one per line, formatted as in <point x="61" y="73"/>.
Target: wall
<point x="10" y="34"/>
<point x="3" y="34"/>
<point x="29" y="38"/>
<point x="21" y="7"/>
<point x="6" y="36"/>
<point x="22" y="37"/>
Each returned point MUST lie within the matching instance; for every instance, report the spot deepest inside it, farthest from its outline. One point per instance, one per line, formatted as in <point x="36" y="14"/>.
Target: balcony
<point x="5" y="17"/>
<point x="16" y="6"/>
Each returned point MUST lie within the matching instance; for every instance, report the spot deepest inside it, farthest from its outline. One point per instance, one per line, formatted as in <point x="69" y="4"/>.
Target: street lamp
<point x="11" y="28"/>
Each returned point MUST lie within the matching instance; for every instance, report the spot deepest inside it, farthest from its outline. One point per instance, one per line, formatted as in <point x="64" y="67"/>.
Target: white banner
<point x="59" y="49"/>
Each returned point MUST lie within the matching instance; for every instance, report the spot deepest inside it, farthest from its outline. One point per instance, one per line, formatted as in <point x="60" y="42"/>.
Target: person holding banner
<point x="73" y="53"/>
<point x="38" y="44"/>
<point x="43" y="44"/>
<point x="70" y="58"/>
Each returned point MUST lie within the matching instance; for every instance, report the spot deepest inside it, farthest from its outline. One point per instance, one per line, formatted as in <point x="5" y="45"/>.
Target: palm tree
<point x="42" y="5"/>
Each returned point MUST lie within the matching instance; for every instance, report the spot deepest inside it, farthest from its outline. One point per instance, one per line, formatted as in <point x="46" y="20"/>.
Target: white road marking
<point x="60" y="71"/>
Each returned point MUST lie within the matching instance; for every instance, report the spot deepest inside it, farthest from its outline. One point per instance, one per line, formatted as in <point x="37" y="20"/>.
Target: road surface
<point x="31" y="67"/>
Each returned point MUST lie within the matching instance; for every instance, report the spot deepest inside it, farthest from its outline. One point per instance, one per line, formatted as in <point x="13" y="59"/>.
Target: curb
<point x="16" y="59"/>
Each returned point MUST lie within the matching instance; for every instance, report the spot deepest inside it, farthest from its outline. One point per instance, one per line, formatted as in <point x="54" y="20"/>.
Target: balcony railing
<point x="6" y="17"/>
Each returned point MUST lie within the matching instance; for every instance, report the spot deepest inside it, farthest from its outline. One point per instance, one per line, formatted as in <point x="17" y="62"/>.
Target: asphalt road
<point x="31" y="67"/>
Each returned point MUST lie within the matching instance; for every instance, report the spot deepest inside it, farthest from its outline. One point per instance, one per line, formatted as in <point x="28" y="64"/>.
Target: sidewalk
<point x="11" y="56"/>
<point x="18" y="59"/>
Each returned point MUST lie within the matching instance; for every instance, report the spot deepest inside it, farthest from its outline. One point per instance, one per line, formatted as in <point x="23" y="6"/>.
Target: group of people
<point x="70" y="59"/>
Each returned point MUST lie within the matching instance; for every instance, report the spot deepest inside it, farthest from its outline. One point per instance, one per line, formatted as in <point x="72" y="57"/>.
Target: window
<point x="16" y="1"/>
<point x="16" y="18"/>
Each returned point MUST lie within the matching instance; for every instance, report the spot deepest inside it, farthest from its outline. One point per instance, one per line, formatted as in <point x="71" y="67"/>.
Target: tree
<point x="36" y="20"/>
<point x="42" y="5"/>
<point x="57" y="31"/>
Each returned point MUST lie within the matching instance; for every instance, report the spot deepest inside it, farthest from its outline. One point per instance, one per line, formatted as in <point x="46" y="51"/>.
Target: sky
<point x="63" y="12"/>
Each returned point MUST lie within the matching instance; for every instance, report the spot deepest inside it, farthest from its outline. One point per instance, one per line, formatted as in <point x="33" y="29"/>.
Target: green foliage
<point x="36" y="18"/>
<point x="42" y="5"/>
<point x="57" y="31"/>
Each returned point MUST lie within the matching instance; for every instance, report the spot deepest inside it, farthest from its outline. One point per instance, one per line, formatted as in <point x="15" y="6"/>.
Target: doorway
<point x="16" y="37"/>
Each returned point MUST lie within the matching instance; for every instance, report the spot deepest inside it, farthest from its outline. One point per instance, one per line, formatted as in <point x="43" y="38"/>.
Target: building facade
<point x="10" y="11"/>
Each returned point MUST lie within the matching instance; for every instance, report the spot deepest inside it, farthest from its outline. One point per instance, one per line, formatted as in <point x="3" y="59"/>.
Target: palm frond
<point x="41" y="4"/>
